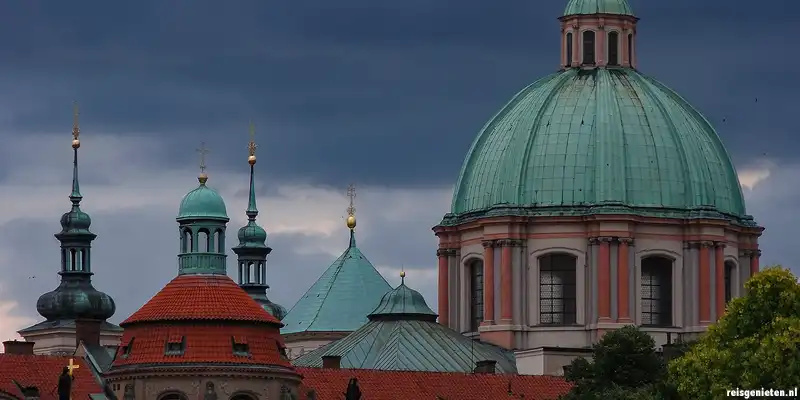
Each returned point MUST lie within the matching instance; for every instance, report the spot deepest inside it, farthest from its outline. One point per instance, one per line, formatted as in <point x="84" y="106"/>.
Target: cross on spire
<point x="72" y="367"/>
<point x="203" y="151"/>
<point x="351" y="193"/>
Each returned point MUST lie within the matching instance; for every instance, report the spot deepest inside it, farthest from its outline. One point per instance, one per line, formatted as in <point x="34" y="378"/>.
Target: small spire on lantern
<point x="402" y="276"/>
<point x="202" y="178"/>
<point x="252" y="146"/>
<point x="351" y="210"/>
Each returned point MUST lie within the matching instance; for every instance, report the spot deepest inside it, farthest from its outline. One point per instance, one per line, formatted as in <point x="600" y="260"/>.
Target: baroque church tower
<point x="252" y="250"/>
<point x="75" y="307"/>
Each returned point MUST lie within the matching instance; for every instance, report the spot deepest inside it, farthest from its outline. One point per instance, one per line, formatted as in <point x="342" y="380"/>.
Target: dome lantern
<point x="598" y="33"/>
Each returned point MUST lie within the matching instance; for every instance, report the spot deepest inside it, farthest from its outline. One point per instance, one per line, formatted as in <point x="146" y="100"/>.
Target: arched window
<point x="630" y="49"/>
<point x="613" y="48"/>
<point x="203" y="241"/>
<point x="73" y="257"/>
<point x="568" y="46"/>
<point x="656" y="291"/>
<point x="219" y="241"/>
<point x="172" y="396"/>
<point x="588" y="47"/>
<point x="475" y="294"/>
<point x="557" y="305"/>
<point x="242" y="397"/>
<point x="252" y="274"/>
<point x="730" y="269"/>
<point x="187" y="241"/>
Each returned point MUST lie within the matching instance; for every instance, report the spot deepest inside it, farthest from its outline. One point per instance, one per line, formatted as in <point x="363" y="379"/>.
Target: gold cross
<point x="203" y="151"/>
<point x="252" y="146"/>
<point x="75" y="129"/>
<point x="351" y="193"/>
<point x="71" y="367"/>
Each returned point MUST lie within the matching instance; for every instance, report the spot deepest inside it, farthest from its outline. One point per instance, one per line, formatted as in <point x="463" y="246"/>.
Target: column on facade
<point x="704" y="282"/>
<point x="624" y="55"/>
<point x="623" y="283"/>
<point x="444" y="286"/>
<point x="719" y="280"/>
<point x="604" y="280"/>
<point x="506" y="291"/>
<point x="600" y="49"/>
<point x="754" y="258"/>
<point x="488" y="282"/>
<point x="576" y="53"/>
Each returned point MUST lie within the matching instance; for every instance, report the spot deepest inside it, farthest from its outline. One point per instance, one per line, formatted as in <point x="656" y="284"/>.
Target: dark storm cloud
<point x="399" y="87"/>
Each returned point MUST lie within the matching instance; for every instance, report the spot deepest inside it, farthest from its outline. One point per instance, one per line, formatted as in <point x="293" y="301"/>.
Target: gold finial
<point x="252" y="146"/>
<point x="351" y="211"/>
<point x="402" y="274"/>
<point x="203" y="151"/>
<point x="76" y="130"/>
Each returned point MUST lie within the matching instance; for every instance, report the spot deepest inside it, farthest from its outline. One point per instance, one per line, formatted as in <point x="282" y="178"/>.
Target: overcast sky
<point x="388" y="95"/>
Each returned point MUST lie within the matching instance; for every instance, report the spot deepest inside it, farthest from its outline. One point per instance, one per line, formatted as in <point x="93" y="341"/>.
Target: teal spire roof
<point x="402" y="335"/>
<point x="581" y="142"/>
<point x="202" y="202"/>
<point x="75" y="297"/>
<point x="341" y="299"/>
<point x="252" y="250"/>
<point x="619" y="7"/>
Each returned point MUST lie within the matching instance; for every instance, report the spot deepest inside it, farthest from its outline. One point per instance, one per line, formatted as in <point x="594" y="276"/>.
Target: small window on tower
<point x="240" y="346"/>
<point x="588" y="47"/>
<point x="175" y="345"/>
<point x="127" y="347"/>
<point x="613" y="48"/>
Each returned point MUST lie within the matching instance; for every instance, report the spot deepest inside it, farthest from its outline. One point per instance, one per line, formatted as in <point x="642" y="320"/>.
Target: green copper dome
<point x="202" y="203"/>
<point x="582" y="142"/>
<point x="619" y="7"/>
<point x="403" y="301"/>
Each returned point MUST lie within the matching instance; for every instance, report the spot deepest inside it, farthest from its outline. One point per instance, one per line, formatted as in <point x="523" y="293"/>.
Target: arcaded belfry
<point x="597" y="197"/>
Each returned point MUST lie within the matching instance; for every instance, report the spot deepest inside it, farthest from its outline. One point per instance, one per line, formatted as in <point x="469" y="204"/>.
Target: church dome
<point x="252" y="235"/>
<point x="618" y="7"/>
<point x="75" y="221"/>
<point x="601" y="140"/>
<point x="402" y="301"/>
<point x="75" y="298"/>
<point x="202" y="203"/>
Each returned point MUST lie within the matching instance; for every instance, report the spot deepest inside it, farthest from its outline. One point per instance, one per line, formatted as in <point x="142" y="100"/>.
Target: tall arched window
<point x="557" y="305"/>
<point x="613" y="48"/>
<point x="730" y="269"/>
<point x="630" y="49"/>
<point x="588" y="47"/>
<point x="187" y="241"/>
<point x="475" y="295"/>
<point x="568" y="46"/>
<point x="203" y="241"/>
<point x="656" y="291"/>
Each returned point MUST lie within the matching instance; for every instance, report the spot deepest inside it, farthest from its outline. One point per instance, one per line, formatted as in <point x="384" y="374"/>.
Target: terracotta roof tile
<point x="175" y="338"/>
<point x="329" y="384"/>
<point x="205" y="343"/>
<point x="43" y="372"/>
<point x="201" y="297"/>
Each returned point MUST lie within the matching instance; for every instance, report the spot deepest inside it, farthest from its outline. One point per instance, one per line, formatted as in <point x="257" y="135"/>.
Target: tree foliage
<point x="756" y="344"/>
<point x="624" y="366"/>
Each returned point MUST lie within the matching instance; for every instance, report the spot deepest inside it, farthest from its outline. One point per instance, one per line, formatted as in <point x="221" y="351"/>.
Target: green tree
<point x="624" y="366"/>
<point x="756" y="344"/>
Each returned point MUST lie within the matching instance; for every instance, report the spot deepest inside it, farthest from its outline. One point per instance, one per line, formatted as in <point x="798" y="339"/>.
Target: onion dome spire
<point x="75" y="297"/>
<point x="252" y="250"/>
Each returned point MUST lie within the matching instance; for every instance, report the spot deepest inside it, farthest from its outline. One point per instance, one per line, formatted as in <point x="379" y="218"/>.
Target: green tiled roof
<point x="619" y="7"/>
<point x="202" y="202"/>
<point x="611" y="140"/>
<point x="407" y="338"/>
<point x="341" y="299"/>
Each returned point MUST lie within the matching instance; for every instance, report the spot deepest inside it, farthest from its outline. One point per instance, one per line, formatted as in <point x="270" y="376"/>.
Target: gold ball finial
<point x="251" y="160"/>
<point x="402" y="274"/>
<point x="76" y="143"/>
<point x="203" y="178"/>
<point x="351" y="221"/>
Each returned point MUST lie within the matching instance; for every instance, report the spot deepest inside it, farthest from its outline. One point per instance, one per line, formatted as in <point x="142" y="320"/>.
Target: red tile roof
<point x="204" y="343"/>
<point x="329" y="384"/>
<point x="43" y="372"/>
<point x="201" y="297"/>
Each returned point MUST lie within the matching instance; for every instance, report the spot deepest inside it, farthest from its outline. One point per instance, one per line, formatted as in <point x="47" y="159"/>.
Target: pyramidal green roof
<point x="403" y="335"/>
<point x="341" y="299"/>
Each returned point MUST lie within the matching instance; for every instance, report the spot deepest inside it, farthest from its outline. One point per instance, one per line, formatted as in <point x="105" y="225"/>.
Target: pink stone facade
<point x="576" y="32"/>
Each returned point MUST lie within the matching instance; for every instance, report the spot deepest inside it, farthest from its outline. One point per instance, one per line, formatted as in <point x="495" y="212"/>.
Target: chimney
<point x="485" y="367"/>
<point x="87" y="331"/>
<point x="17" y="347"/>
<point x="331" y="362"/>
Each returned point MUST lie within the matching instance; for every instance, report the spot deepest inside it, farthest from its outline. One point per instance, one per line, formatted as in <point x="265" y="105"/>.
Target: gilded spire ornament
<point x="351" y="210"/>
<point x="252" y="146"/>
<point x="202" y="150"/>
<point x="76" y="130"/>
<point x="252" y="211"/>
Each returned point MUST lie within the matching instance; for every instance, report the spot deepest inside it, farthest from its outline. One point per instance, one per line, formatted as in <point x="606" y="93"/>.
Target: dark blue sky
<point x="386" y="94"/>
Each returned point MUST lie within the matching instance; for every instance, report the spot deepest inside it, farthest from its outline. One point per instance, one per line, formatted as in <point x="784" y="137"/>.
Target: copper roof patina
<point x="341" y="299"/>
<point x="587" y="7"/>
<point x="402" y="335"/>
